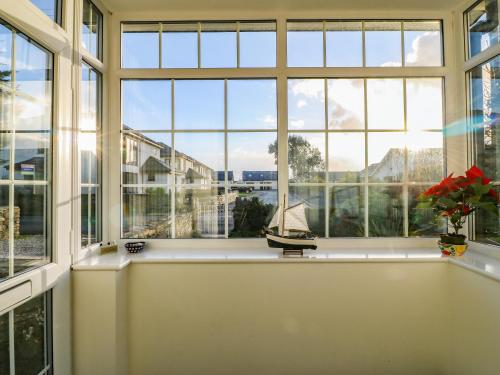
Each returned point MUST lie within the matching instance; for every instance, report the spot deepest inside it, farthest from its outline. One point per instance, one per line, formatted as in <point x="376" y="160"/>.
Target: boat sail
<point x="293" y="234"/>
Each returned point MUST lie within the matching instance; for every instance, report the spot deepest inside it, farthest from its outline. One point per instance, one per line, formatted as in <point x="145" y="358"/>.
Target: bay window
<point x="360" y="148"/>
<point x="25" y="153"/>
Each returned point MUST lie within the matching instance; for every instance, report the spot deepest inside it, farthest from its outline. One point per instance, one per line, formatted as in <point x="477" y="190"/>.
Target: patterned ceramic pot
<point x="448" y="249"/>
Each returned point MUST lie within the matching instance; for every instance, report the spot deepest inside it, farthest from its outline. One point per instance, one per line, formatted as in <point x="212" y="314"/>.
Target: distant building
<point x="146" y="161"/>
<point x="220" y="177"/>
<point x="262" y="180"/>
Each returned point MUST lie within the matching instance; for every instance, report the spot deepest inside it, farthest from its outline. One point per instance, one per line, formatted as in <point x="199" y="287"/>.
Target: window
<point x="233" y="44"/>
<point x="25" y="152"/>
<point x="25" y="338"/>
<point x="484" y="99"/>
<point x="360" y="151"/>
<point x="200" y="156"/>
<point x="52" y="8"/>
<point x="90" y="155"/>
<point x="482" y="26"/>
<point x="386" y="43"/>
<point x="207" y="173"/>
<point x="92" y="29"/>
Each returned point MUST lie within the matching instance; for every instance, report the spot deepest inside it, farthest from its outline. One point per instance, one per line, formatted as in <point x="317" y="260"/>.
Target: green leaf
<point x="447" y="203"/>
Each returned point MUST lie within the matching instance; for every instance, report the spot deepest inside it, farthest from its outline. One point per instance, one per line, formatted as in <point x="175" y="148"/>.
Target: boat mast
<point x="283" y="213"/>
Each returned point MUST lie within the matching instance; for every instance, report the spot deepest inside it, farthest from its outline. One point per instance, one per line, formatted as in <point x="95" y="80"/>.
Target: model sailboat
<point x="293" y="234"/>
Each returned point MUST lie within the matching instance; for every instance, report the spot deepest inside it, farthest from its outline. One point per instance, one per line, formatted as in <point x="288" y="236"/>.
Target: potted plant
<point x="455" y="198"/>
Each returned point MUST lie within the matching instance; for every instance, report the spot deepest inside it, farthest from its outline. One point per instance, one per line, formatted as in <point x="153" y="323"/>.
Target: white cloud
<point x="310" y="88"/>
<point x="269" y="119"/>
<point x="301" y="103"/>
<point x="424" y="48"/>
<point x="297" y="124"/>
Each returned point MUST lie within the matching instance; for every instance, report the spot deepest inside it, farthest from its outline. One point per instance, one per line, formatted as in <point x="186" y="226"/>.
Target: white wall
<point x="475" y="316"/>
<point x="345" y="318"/>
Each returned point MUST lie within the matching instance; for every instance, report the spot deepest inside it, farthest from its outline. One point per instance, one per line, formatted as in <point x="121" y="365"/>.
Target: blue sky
<point x="251" y="104"/>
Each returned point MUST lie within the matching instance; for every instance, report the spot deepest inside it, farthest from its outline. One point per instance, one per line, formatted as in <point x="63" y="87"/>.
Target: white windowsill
<point x="473" y="260"/>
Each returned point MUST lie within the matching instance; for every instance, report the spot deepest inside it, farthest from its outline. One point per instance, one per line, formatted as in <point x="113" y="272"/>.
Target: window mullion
<point x="366" y="188"/>
<point x="12" y="353"/>
<point x="226" y="188"/>
<point x="173" y="163"/>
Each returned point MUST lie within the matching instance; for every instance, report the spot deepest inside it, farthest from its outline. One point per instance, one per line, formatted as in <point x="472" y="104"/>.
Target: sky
<point x="251" y="104"/>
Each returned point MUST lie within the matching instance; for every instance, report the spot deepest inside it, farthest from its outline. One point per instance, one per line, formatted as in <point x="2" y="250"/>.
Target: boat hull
<point x="289" y="243"/>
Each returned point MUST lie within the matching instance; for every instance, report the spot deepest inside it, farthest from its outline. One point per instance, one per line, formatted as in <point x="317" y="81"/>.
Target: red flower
<point x="494" y="194"/>
<point x="474" y="173"/>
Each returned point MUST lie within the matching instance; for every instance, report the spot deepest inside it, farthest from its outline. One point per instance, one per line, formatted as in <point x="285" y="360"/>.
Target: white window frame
<point x="27" y="18"/>
<point x="467" y="64"/>
<point x="281" y="73"/>
<point x="84" y="56"/>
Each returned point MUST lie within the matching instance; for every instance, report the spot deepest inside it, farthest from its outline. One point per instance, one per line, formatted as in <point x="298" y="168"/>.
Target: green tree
<point x="304" y="159"/>
<point x="250" y="217"/>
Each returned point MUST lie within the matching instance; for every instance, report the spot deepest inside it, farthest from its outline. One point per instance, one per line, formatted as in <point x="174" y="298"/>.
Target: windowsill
<point x="473" y="260"/>
<point x="121" y="259"/>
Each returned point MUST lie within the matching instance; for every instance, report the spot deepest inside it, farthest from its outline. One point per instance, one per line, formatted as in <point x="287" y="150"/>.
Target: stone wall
<point x="4" y="222"/>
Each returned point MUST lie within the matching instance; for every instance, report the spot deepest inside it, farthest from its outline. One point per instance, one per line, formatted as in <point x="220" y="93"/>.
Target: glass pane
<point x="146" y="104"/>
<point x="86" y="212"/>
<point x="146" y="212"/>
<point x="4" y="233"/>
<point x="347" y="211"/>
<point x="5" y="145"/>
<point x="346" y="104"/>
<point x="33" y="70"/>
<point x="88" y="157"/>
<point x="488" y="225"/>
<point x="386" y="213"/>
<point x="346" y="152"/>
<point x="32" y="156"/>
<point x="251" y="208"/>
<point x="218" y="45"/>
<point x="423" y="43"/>
<point x="199" y="104"/>
<point x="31" y="351"/>
<point x="6" y="108"/>
<point x="485" y="112"/>
<point x="89" y="99"/>
<point x="31" y="114"/>
<point x="91" y="29"/>
<point x="199" y="212"/>
<point x="5" y="53"/>
<point x="385" y="103"/>
<point x="424" y="103"/>
<point x="421" y="220"/>
<point x="306" y="104"/>
<point x="257" y="44"/>
<point x="306" y="157"/>
<point x="482" y="22"/>
<point x="140" y="46"/>
<point x="425" y="156"/>
<point x="146" y="158"/>
<point x="180" y="45"/>
<point x="383" y="43"/>
<point x="198" y="157"/>
<point x="49" y="7"/>
<point x="30" y="227"/>
<point x="252" y="158"/>
<point x="4" y="339"/>
<point x="305" y="44"/>
<point x="344" y="44"/>
<point x="251" y="104"/>
<point x="89" y="214"/>
<point x="386" y="157"/>
<point x="314" y="199"/>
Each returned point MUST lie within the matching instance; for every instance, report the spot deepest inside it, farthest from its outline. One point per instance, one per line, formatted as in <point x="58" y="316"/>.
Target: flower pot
<point x="448" y="249"/>
<point x="453" y="239"/>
